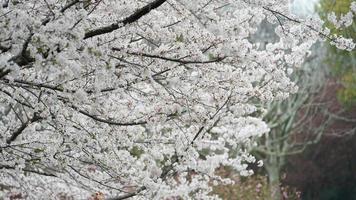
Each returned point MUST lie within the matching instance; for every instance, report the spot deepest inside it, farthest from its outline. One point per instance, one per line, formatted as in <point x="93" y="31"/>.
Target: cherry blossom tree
<point x="118" y="99"/>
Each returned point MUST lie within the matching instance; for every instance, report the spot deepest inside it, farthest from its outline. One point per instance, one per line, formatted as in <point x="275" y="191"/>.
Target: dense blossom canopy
<point x="140" y="99"/>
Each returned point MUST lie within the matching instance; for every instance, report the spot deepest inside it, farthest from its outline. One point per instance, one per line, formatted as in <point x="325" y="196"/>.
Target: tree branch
<point x="126" y="196"/>
<point x="19" y="131"/>
<point x="69" y="5"/>
<point x="128" y="20"/>
<point x="23" y="58"/>
<point x="28" y="170"/>
<point x="298" y="22"/>
<point x="4" y="72"/>
<point x="107" y="121"/>
<point x="181" y="61"/>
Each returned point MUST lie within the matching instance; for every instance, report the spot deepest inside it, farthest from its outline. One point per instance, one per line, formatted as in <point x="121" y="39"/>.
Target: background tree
<point x="295" y="123"/>
<point x="301" y="120"/>
<point x="342" y="63"/>
<point x="331" y="161"/>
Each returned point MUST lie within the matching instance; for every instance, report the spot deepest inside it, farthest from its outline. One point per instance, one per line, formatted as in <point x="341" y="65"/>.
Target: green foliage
<point x="136" y="151"/>
<point x="94" y="52"/>
<point x="38" y="150"/>
<point x="342" y="63"/>
<point x="347" y="94"/>
<point x="180" y="38"/>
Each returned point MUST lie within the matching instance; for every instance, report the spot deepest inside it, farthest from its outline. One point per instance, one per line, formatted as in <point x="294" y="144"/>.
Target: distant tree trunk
<point x="273" y="171"/>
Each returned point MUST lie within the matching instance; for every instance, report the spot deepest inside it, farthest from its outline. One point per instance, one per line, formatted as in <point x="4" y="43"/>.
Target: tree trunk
<point x="274" y="183"/>
<point x="273" y="170"/>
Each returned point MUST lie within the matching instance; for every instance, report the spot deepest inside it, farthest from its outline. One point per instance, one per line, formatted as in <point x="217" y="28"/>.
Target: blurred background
<point x="310" y="153"/>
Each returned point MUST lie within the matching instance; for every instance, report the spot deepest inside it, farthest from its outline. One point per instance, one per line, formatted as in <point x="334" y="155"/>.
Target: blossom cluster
<point x="141" y="99"/>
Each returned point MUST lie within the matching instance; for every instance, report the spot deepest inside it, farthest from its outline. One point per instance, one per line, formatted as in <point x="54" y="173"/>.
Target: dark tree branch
<point x="23" y="58"/>
<point x="126" y="196"/>
<point x="130" y="19"/>
<point x="69" y="5"/>
<point x="212" y="117"/>
<point x="4" y="49"/>
<point x="24" y="83"/>
<point x="197" y="134"/>
<point x="19" y="131"/>
<point x="181" y="61"/>
<point x="4" y="72"/>
<point x="277" y="13"/>
<point x="107" y="121"/>
<point x="93" y="179"/>
<point x="28" y="170"/>
<point x="5" y="4"/>
<point x="17" y="100"/>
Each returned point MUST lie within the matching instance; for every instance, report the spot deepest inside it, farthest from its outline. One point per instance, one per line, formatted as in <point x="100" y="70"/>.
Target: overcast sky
<point x="303" y="7"/>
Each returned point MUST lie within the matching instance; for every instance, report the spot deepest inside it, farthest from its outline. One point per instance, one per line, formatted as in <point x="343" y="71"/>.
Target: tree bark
<point x="273" y="171"/>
